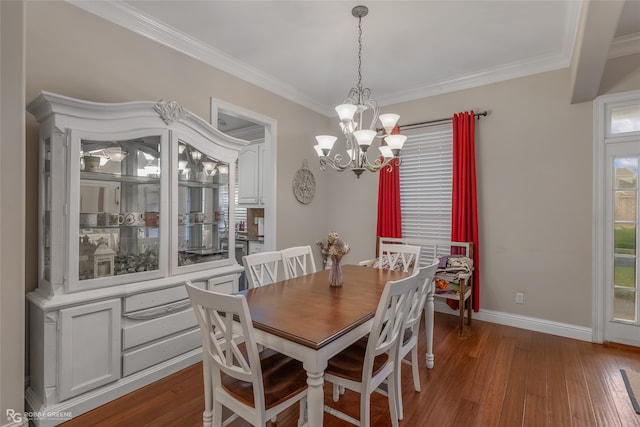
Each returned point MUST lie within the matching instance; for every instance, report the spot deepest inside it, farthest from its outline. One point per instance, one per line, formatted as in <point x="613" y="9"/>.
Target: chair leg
<point x="303" y="418"/>
<point x="414" y="368"/>
<point x="461" y="315"/>
<point x="397" y="391"/>
<point x="336" y="392"/>
<point x="469" y="310"/>
<point x="217" y="414"/>
<point x="207" y="415"/>
<point x="395" y="400"/>
<point x="365" y="408"/>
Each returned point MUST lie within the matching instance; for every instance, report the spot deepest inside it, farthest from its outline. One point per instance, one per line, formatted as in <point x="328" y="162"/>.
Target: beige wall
<point x="12" y="224"/>
<point x="534" y="193"/>
<point x="534" y="165"/>
<point x="77" y="54"/>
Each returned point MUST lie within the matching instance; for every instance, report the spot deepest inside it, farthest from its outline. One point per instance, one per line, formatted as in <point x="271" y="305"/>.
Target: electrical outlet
<point x="519" y="298"/>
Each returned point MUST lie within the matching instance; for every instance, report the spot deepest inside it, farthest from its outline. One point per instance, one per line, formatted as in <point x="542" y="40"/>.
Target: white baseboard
<point x="524" y="322"/>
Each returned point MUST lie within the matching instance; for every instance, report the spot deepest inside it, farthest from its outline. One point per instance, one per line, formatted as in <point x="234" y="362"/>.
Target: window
<point x="426" y="182"/>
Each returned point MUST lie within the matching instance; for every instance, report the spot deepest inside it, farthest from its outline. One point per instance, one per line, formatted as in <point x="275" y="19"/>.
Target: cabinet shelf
<point x="197" y="184"/>
<point x="115" y="227"/>
<point x="99" y="176"/>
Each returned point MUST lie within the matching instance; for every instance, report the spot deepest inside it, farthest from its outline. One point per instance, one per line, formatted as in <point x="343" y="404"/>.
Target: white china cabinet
<point x="134" y="199"/>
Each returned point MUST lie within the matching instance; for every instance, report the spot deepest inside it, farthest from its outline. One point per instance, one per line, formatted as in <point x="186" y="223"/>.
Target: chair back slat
<point x="390" y="319"/>
<point x="264" y="268"/>
<point x="425" y="279"/>
<point x="399" y="256"/>
<point x="299" y="260"/>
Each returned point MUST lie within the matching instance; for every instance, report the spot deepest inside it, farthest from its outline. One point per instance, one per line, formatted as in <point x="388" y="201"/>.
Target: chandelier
<point x="358" y="140"/>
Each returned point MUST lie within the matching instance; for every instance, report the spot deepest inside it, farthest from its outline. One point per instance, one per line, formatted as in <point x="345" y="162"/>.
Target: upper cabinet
<point x="251" y="175"/>
<point x="130" y="192"/>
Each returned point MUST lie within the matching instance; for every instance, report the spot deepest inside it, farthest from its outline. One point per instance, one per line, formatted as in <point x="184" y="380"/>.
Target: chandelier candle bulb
<point x="346" y="111"/>
<point x="395" y="142"/>
<point x="389" y="121"/>
<point x="386" y="151"/>
<point x="364" y="138"/>
<point x="326" y="142"/>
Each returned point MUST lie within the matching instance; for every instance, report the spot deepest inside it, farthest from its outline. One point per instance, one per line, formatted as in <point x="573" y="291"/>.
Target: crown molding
<point x="134" y="20"/>
<point x="490" y="75"/>
<point x="625" y="45"/>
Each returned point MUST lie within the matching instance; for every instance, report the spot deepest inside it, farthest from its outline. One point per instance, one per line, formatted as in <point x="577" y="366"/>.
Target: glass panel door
<point x="625" y="262"/>
<point x="119" y="229"/>
<point x="621" y="219"/>
<point x="203" y="207"/>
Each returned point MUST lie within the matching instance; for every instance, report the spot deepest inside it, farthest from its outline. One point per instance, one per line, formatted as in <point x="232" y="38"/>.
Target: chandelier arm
<point x="371" y="103"/>
<point x="379" y="164"/>
<point x="335" y="162"/>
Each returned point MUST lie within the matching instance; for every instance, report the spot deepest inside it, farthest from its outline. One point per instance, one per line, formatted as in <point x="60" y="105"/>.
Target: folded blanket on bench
<point x="449" y="269"/>
<point x="451" y="266"/>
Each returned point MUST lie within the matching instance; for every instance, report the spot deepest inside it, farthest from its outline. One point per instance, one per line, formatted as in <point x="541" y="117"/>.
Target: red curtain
<point x="464" y="214"/>
<point x="389" y="214"/>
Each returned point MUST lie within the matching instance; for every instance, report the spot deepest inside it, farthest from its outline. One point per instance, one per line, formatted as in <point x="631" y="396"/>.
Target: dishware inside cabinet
<point x="119" y="207"/>
<point x="203" y="206"/>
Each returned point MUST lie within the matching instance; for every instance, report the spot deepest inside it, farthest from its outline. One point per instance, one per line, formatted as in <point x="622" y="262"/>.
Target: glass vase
<point x="335" y="272"/>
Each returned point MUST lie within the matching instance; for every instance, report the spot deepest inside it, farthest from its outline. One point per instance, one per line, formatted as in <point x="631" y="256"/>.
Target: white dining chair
<point x="255" y="386"/>
<point x="409" y="339"/>
<point x="367" y="363"/>
<point x="299" y="260"/>
<point x="263" y="268"/>
<point x="393" y="256"/>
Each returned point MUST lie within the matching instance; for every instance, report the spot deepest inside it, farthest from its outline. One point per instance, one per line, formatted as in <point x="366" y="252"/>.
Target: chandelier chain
<point x="360" y="59"/>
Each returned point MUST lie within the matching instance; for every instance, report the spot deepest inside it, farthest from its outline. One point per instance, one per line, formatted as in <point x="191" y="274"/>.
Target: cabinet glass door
<point x="203" y="207"/>
<point x="119" y="227"/>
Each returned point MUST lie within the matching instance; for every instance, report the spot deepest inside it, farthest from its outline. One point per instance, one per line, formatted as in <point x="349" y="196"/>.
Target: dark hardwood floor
<point x="498" y="376"/>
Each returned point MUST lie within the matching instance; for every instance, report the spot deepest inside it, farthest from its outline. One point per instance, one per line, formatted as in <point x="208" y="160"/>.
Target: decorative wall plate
<point x="304" y="184"/>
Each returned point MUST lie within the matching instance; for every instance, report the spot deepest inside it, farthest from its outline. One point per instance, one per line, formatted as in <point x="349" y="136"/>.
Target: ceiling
<point x="306" y="51"/>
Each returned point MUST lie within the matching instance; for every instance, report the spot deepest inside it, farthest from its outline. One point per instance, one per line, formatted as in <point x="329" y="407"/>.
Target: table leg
<point x="315" y="398"/>
<point x="428" y="327"/>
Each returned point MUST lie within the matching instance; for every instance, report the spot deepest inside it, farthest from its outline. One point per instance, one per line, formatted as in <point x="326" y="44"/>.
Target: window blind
<point x="426" y="182"/>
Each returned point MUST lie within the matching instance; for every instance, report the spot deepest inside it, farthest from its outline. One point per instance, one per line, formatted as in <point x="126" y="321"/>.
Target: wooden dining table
<point x="310" y="321"/>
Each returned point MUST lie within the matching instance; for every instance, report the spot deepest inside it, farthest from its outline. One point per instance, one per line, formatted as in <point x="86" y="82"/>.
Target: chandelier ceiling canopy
<point x="358" y="107"/>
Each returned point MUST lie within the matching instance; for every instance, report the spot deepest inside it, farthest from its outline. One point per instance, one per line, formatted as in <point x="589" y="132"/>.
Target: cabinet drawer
<point x="152" y="324"/>
<point x="224" y="284"/>
<point x="160" y="351"/>
<point x="147" y="300"/>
